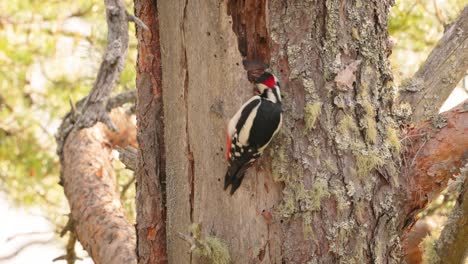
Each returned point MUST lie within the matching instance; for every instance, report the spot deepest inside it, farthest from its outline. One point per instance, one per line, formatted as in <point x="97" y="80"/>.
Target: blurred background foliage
<point x="417" y="26"/>
<point x="50" y="52"/>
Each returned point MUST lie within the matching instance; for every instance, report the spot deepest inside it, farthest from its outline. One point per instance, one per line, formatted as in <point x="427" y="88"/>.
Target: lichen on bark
<point x="349" y="129"/>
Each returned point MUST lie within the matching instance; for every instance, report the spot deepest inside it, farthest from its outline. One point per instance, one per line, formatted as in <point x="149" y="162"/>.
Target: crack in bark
<point x="191" y="170"/>
<point x="250" y="26"/>
<point x="190" y="158"/>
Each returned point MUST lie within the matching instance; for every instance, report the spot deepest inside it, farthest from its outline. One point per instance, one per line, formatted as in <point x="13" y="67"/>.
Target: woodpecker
<point x="252" y="128"/>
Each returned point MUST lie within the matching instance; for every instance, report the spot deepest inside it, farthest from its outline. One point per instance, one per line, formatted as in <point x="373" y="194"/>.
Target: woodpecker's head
<point x="268" y="86"/>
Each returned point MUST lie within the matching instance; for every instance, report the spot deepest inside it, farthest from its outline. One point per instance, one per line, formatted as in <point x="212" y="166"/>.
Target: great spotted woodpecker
<point x="252" y="128"/>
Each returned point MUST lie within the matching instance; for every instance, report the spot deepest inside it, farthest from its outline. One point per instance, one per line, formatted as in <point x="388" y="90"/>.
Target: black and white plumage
<point x="252" y="128"/>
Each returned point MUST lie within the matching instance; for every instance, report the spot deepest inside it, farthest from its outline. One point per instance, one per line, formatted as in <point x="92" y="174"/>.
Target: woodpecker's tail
<point x="235" y="175"/>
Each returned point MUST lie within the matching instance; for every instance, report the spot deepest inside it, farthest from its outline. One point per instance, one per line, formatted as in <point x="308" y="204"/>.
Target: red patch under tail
<point x="228" y="145"/>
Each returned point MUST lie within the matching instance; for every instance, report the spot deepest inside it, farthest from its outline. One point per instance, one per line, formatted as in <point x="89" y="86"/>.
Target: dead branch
<point x="121" y="99"/>
<point x="451" y="246"/>
<point x="70" y="119"/>
<point x="95" y="108"/>
<point x="137" y="21"/>
<point x="428" y="89"/>
<point x="129" y="157"/>
<point x="126" y="186"/>
<point x="71" y="256"/>
<point x="87" y="174"/>
<point x="439" y="151"/>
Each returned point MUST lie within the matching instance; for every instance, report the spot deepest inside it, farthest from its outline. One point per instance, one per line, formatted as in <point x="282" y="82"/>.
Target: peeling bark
<point x="433" y="156"/>
<point x="151" y="170"/>
<point x="447" y="64"/>
<point x="90" y="187"/>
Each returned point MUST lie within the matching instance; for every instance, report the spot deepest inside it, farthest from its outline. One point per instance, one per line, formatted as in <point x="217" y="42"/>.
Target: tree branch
<point x="69" y="120"/>
<point x="70" y="257"/>
<point x="428" y="89"/>
<point x="90" y="186"/>
<point x="121" y="99"/>
<point x="95" y="108"/>
<point x="129" y="157"/>
<point x="435" y="152"/>
<point x="137" y="21"/>
<point x="451" y="246"/>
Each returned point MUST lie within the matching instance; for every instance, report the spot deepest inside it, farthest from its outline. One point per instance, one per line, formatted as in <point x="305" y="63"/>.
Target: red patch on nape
<point x="228" y="146"/>
<point x="270" y="82"/>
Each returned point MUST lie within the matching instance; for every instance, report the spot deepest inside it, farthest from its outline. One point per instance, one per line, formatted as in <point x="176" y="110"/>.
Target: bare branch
<point x="129" y="157"/>
<point x="121" y="99"/>
<point x="451" y="246"/>
<point x="428" y="89"/>
<point x="69" y="120"/>
<point x="439" y="151"/>
<point x="70" y="257"/>
<point x="137" y="21"/>
<point x="126" y="186"/>
<point x="95" y="108"/>
<point x="70" y="226"/>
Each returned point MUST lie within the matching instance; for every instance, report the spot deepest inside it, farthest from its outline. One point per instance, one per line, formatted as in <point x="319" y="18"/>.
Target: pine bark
<point x="329" y="188"/>
<point x="90" y="186"/>
<point x="151" y="169"/>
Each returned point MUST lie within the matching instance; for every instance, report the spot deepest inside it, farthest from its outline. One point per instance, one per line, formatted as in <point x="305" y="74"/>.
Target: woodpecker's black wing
<point x="246" y="112"/>
<point x="239" y="156"/>
<point x="262" y="128"/>
<point x="266" y="124"/>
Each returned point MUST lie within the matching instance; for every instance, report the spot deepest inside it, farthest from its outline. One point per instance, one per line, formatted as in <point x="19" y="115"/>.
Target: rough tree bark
<point x="151" y="172"/>
<point x="336" y="186"/>
<point x="90" y="186"/>
<point x="328" y="190"/>
<point x="87" y="174"/>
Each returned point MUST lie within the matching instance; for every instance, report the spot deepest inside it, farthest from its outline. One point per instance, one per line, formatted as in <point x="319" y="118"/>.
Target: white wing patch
<point x="245" y="131"/>
<point x="235" y="118"/>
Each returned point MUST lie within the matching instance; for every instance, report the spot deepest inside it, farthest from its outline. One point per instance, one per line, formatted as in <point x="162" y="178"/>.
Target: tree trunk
<point x="150" y="174"/>
<point x="329" y="188"/>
